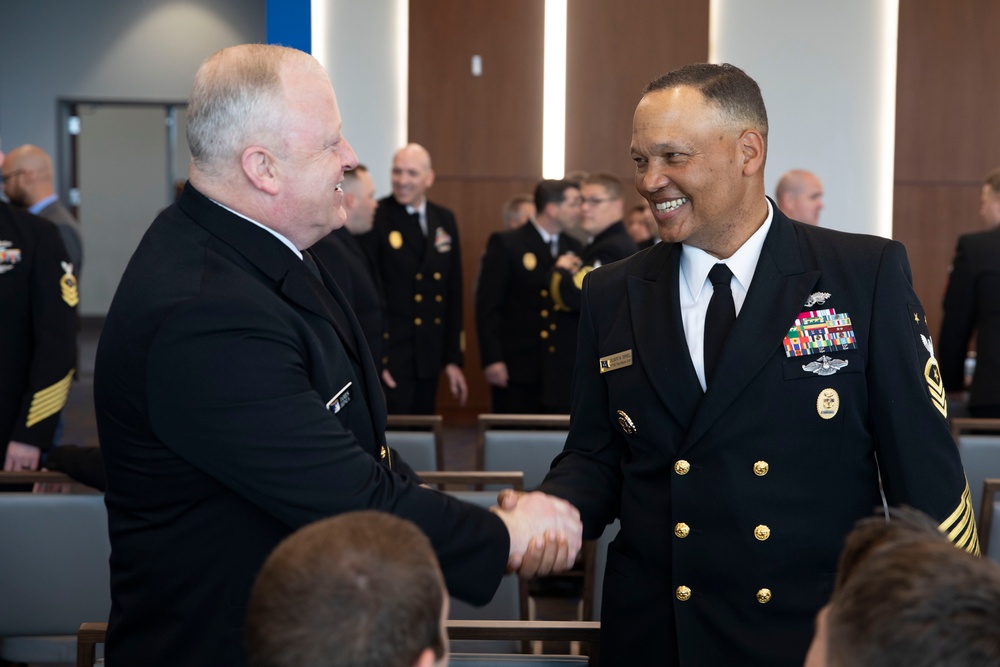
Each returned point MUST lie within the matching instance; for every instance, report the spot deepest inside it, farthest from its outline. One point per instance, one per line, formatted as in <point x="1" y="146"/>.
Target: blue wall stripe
<point x="289" y="24"/>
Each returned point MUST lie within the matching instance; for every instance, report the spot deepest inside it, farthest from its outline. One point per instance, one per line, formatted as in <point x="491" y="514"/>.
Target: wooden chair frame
<point x="514" y="478"/>
<point x="585" y="632"/>
<point x="961" y="425"/>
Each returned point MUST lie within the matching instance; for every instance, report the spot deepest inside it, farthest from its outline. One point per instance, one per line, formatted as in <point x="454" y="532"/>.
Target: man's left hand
<point x="21" y="456"/>
<point x="456" y="382"/>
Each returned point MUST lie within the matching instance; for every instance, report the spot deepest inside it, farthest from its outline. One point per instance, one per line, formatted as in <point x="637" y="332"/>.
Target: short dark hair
<point x="551" y="191"/>
<point x="611" y="183"/>
<point x="727" y="86"/>
<point x="906" y="596"/>
<point x="361" y="589"/>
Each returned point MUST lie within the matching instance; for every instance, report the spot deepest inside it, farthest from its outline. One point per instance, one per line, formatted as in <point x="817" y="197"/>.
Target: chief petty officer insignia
<point x="932" y="372"/>
<point x="67" y="283"/>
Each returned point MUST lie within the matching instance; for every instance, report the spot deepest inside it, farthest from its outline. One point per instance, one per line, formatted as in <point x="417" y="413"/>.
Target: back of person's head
<point x="516" y="211"/>
<point x="907" y="597"/>
<point x="993" y="180"/>
<point x="736" y="95"/>
<point x="362" y="589"/>
<point x="237" y="100"/>
<point x="552" y="191"/>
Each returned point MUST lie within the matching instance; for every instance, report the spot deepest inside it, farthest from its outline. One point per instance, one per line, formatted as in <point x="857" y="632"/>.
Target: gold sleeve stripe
<point x="960" y="526"/>
<point x="49" y="401"/>
<point x="580" y="275"/>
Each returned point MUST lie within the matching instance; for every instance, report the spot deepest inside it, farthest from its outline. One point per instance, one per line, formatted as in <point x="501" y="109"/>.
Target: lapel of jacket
<point x="270" y="256"/>
<point x="534" y="244"/>
<point x="413" y="238"/>
<point x="779" y="290"/>
<point x="658" y="331"/>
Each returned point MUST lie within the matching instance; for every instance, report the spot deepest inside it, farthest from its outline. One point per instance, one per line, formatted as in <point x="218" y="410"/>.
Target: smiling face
<point x="314" y="158"/>
<point x="412" y="175"/>
<point x="701" y="173"/>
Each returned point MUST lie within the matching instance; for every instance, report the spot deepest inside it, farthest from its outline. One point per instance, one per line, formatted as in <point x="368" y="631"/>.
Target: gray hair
<point x="237" y="100"/>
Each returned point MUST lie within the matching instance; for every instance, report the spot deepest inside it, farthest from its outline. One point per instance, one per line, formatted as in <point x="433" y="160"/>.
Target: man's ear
<point x="752" y="149"/>
<point x="425" y="659"/>
<point x="430" y="178"/>
<point x="260" y="169"/>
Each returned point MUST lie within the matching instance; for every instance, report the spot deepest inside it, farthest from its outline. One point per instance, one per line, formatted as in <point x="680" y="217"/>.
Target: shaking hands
<point x="545" y="532"/>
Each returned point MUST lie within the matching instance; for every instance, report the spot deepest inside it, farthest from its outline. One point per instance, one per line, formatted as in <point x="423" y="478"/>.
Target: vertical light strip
<point x="319" y="29"/>
<point x="554" y="91"/>
<point x="402" y="14"/>
<point x="714" y="26"/>
<point x="887" y="122"/>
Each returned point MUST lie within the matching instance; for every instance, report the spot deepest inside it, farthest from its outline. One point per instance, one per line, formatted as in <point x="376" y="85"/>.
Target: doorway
<point x="119" y="162"/>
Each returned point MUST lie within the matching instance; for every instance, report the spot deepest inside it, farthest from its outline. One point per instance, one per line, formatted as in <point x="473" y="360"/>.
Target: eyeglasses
<point x="594" y="201"/>
<point x="10" y="175"/>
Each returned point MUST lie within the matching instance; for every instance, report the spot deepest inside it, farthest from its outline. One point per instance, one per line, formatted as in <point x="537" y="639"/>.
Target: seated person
<point x="357" y="589"/>
<point x="906" y="597"/>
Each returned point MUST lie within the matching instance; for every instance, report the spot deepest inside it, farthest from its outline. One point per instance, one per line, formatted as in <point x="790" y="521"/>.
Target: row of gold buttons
<point x="761" y="532"/>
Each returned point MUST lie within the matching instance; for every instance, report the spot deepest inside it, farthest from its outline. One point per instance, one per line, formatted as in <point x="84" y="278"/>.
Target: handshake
<point x="545" y="532"/>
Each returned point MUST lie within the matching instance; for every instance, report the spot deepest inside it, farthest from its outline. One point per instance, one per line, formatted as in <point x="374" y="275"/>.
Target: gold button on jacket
<point x="762" y="532"/>
<point x="760" y="468"/>
<point x="764" y="595"/>
<point x="683" y="593"/>
<point x="682" y="530"/>
<point x="682" y="467"/>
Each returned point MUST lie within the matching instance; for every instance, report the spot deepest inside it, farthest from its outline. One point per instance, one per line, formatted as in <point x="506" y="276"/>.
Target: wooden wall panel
<point x="927" y="210"/>
<point x="613" y="50"/>
<point x="484" y="133"/>
<point x="484" y="126"/>
<point x="947" y="134"/>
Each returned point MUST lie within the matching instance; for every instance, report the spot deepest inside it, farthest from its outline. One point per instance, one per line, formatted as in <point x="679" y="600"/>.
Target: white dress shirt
<point x="696" y="289"/>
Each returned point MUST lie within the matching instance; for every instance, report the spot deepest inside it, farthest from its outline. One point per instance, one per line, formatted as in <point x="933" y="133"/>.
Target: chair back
<point x="417" y="439"/>
<point x="54" y="570"/>
<point x="521" y="442"/>
<point x="979" y="446"/>
<point x="600" y="564"/>
<point x="989" y="520"/>
<point x="506" y="604"/>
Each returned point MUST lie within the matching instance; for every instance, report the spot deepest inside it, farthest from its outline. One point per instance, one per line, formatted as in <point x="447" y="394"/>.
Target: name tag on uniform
<point x="339" y="400"/>
<point x="616" y="361"/>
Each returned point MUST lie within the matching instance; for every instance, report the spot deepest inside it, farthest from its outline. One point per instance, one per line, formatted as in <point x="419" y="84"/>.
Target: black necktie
<point x="719" y="318"/>
<point x="415" y="216"/>
<point x="311" y="264"/>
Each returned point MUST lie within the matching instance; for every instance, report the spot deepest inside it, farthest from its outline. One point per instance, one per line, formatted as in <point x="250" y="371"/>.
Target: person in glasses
<point x="609" y="241"/>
